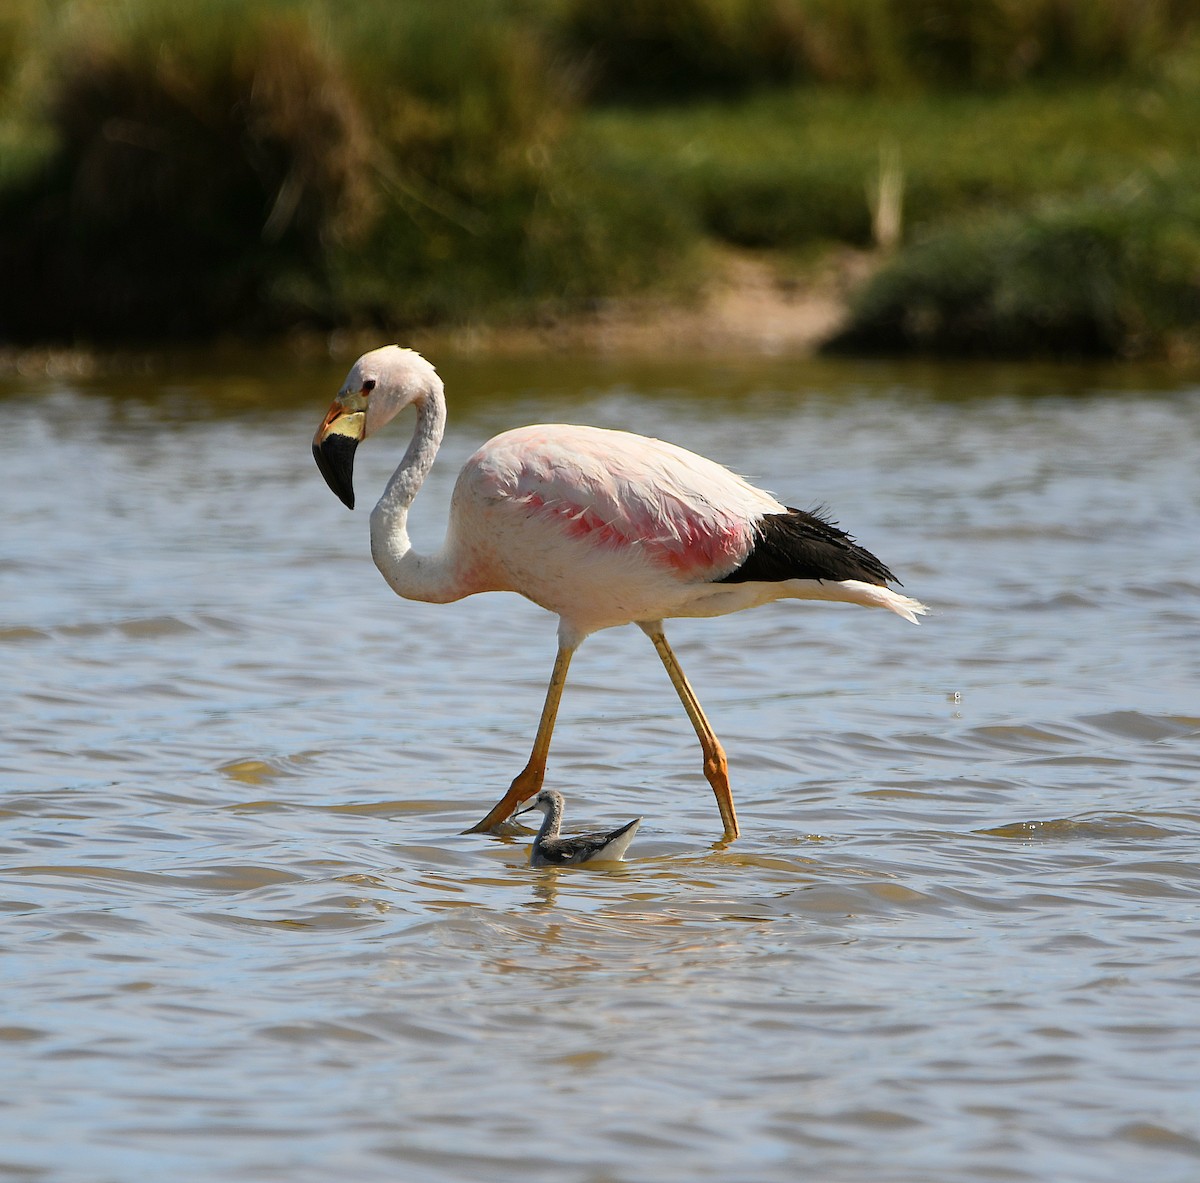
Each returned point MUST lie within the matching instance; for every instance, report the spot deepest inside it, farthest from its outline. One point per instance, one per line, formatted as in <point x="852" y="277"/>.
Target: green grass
<point x="791" y="168"/>
<point x="193" y="167"/>
<point x="1043" y="220"/>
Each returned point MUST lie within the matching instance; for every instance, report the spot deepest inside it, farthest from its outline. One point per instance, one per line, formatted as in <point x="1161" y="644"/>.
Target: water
<point x="243" y="938"/>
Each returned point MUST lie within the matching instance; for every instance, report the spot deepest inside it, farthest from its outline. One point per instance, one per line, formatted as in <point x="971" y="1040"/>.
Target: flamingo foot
<point x="527" y="784"/>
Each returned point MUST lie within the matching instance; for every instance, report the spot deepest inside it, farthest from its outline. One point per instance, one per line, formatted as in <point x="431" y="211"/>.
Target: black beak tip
<point x="335" y="459"/>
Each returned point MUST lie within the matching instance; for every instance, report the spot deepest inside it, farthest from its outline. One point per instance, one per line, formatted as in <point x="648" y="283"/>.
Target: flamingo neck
<point x="413" y="576"/>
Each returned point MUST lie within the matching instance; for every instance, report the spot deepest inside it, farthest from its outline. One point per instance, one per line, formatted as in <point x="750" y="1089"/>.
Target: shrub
<point x="219" y="166"/>
<point x="1117" y="274"/>
<point x="194" y="159"/>
<point x="656" y="49"/>
<point x="489" y="207"/>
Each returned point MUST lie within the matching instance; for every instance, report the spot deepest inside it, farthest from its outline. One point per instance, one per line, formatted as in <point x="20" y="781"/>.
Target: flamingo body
<point x="600" y="527"/>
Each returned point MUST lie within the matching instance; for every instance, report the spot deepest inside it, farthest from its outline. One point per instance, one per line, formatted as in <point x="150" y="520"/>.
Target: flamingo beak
<point x="340" y="433"/>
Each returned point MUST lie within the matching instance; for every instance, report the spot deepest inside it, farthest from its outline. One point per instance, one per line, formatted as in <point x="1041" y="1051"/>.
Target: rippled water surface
<point x="242" y="935"/>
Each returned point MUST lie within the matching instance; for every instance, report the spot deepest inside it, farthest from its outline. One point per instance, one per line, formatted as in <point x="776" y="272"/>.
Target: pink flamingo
<point x="600" y="527"/>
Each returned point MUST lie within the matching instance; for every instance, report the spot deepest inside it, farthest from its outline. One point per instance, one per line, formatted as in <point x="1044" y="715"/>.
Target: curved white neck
<point x="413" y="576"/>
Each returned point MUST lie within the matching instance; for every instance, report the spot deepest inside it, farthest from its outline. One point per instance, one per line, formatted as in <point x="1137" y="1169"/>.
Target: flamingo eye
<point x="368" y="385"/>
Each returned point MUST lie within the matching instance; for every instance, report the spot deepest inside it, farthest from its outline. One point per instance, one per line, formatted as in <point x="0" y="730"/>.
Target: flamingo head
<point x="379" y="386"/>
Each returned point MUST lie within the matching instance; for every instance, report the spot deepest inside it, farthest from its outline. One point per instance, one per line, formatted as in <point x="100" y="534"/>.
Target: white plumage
<point x="599" y="527"/>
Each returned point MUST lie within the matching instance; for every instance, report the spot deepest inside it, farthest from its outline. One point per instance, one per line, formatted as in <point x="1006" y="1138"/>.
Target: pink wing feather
<point x="619" y="491"/>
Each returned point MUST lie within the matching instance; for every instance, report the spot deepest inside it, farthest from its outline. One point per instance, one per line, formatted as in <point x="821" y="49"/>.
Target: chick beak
<point x="333" y="449"/>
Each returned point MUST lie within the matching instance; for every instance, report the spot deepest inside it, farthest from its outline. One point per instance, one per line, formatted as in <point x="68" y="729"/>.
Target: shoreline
<point x="748" y="303"/>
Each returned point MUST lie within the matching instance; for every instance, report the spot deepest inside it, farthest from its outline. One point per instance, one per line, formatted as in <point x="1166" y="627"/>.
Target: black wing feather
<point x="801" y="545"/>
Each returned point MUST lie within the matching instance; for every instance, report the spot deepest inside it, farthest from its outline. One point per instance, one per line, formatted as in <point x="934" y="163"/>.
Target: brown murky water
<point x="243" y="939"/>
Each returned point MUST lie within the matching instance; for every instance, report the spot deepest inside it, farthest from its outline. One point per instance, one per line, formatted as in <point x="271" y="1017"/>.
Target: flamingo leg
<point x="716" y="768"/>
<point x="528" y="781"/>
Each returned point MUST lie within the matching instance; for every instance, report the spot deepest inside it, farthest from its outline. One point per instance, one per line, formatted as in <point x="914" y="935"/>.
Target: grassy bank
<point x="1039" y="220"/>
<point x="185" y="168"/>
<point x="189" y="167"/>
<point x="790" y="168"/>
<point x="1115" y="274"/>
<point x="659" y="50"/>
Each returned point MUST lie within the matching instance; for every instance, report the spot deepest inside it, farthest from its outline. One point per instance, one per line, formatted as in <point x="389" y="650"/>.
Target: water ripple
<point x="245" y="937"/>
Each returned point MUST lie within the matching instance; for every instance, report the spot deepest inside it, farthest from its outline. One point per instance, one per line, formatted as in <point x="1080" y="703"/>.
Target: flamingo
<point x="600" y="527"/>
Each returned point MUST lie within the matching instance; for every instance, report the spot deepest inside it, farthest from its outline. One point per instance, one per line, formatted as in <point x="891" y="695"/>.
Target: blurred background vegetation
<point x="1024" y="172"/>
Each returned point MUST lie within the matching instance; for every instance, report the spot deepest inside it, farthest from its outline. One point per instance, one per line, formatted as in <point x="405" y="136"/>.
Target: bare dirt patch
<point x="750" y="303"/>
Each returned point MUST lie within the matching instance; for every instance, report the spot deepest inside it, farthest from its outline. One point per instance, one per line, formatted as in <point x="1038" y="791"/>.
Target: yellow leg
<point x="716" y="768"/>
<point x="528" y="781"/>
